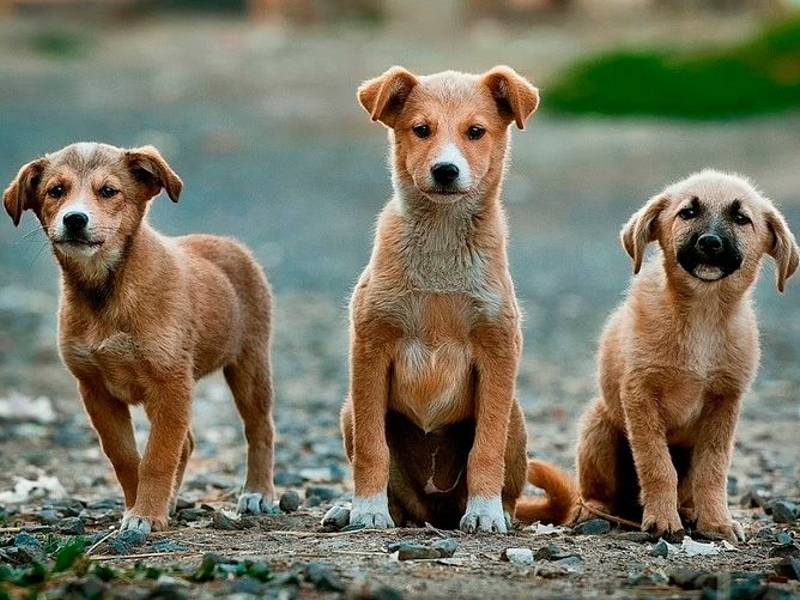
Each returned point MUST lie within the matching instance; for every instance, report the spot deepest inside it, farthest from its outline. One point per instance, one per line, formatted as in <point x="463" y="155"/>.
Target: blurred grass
<point x="761" y="75"/>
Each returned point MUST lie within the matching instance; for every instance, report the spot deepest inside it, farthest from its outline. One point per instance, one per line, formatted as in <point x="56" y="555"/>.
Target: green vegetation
<point x="760" y="76"/>
<point x="60" y="43"/>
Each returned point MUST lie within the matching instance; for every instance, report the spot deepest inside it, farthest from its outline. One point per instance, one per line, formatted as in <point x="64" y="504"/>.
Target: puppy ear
<point x="383" y="97"/>
<point x="641" y="229"/>
<point x="516" y="98"/>
<point x="20" y="195"/>
<point x="783" y="248"/>
<point x="150" y="168"/>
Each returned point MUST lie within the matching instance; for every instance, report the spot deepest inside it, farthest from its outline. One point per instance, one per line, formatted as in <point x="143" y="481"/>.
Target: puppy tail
<point x="562" y="496"/>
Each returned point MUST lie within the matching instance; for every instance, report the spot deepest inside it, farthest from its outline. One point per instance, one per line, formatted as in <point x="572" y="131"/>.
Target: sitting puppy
<point x="432" y="425"/>
<point x="142" y="316"/>
<point x="678" y="355"/>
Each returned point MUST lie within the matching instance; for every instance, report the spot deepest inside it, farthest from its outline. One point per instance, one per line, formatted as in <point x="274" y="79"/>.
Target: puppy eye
<point x="57" y="191"/>
<point x="741" y="219"/>
<point x="108" y="192"/>
<point x="475" y="132"/>
<point x="422" y="131"/>
<point x="687" y="213"/>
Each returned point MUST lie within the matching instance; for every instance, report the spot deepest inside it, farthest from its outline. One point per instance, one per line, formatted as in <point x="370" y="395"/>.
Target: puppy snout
<point x="444" y="173"/>
<point x="710" y="244"/>
<point x="75" y="221"/>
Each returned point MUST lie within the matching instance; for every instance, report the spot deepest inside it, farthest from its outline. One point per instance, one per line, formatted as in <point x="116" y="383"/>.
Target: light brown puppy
<point x="678" y="355"/>
<point x="142" y="316"/>
<point x="432" y="425"/>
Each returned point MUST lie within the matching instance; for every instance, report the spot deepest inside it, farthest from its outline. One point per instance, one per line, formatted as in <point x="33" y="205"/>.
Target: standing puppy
<point x="142" y="316"/>
<point x="679" y="354"/>
<point x="432" y="426"/>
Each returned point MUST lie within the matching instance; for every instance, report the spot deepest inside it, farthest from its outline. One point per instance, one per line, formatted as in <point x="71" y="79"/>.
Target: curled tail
<point x="561" y="495"/>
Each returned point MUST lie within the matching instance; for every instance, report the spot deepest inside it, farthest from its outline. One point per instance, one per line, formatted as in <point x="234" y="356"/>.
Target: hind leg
<point x="250" y="381"/>
<point x="516" y="462"/>
<point x="596" y="463"/>
<point x="186" y="452"/>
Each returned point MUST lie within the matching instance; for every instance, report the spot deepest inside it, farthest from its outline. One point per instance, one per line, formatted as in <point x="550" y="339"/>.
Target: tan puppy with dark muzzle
<point x="432" y="425"/>
<point x="142" y="316"/>
<point x="678" y="355"/>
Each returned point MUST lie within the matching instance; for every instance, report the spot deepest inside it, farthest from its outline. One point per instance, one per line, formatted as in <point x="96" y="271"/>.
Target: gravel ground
<point x="262" y="125"/>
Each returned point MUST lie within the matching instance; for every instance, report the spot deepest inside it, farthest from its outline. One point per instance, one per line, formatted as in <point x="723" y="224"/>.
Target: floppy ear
<point x="641" y="229"/>
<point x="150" y="168"/>
<point x="516" y="98"/>
<point x="20" y="195"/>
<point x="783" y="249"/>
<point x="383" y="97"/>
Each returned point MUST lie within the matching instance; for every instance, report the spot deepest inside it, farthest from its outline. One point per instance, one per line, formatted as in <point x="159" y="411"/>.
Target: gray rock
<point x="783" y="511"/>
<point x="72" y="526"/>
<point x="416" y="551"/>
<point x="647" y="576"/>
<point x="337" y="517"/>
<point x="446" y="547"/>
<point x="126" y="541"/>
<point x="784" y="537"/>
<point x="167" y="545"/>
<point x="323" y="577"/>
<point x="518" y="556"/>
<point x="28" y="548"/>
<point x="290" y="501"/>
<point x="592" y="527"/>
<point x="48" y="516"/>
<point x="220" y="520"/>
<point x="553" y="552"/>
<point x="661" y="548"/>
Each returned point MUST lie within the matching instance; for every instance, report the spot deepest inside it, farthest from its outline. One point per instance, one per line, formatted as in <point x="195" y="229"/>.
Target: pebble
<point x="324" y="493"/>
<point x="783" y="511"/>
<point x="220" y="520"/>
<point x="784" y="537"/>
<point x="337" y="517"/>
<point x="518" y="556"/>
<point x="290" y="501"/>
<point x="323" y="577"/>
<point x="661" y="548"/>
<point x="592" y="527"/>
<point x="416" y="551"/>
<point x="126" y="541"/>
<point x="72" y="526"/>
<point x="48" y="516"/>
<point x="167" y="545"/>
<point x="552" y="552"/>
<point x="789" y="568"/>
<point x="28" y="548"/>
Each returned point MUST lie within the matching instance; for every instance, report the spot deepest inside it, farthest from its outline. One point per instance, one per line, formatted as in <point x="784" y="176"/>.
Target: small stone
<point x="592" y="527"/>
<point x="183" y="504"/>
<point x="166" y="545"/>
<point x="662" y="548"/>
<point x="518" y="556"/>
<point x="29" y="548"/>
<point x="290" y="501"/>
<point x="446" y="547"/>
<point x="784" y="537"/>
<point x="323" y="578"/>
<point x="324" y="493"/>
<point x="416" y="551"/>
<point x="48" y="516"/>
<point x="790" y="550"/>
<point x="789" y="568"/>
<point x="127" y="540"/>
<point x="783" y="511"/>
<point x="766" y="533"/>
<point x="220" y="520"/>
<point x="570" y="563"/>
<point x="552" y="552"/>
<point x="72" y="526"/>
<point x="337" y="517"/>
<point x="312" y="501"/>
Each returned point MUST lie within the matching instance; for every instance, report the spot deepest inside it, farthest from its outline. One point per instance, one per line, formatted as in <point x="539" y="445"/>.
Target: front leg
<point x="168" y="407"/>
<point x="497" y="354"/>
<point x="369" y="396"/>
<point x="111" y="420"/>
<point x="711" y="461"/>
<point x="657" y="476"/>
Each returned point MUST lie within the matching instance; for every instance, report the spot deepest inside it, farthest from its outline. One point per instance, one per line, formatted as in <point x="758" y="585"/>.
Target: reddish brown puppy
<point x="679" y="354"/>
<point x="432" y="425"/>
<point x="142" y="316"/>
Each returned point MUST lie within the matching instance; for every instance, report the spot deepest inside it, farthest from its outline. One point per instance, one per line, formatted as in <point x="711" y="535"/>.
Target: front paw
<point x="144" y="525"/>
<point x="727" y="529"/>
<point x="371" y="512"/>
<point x="485" y="514"/>
<point x="662" y="522"/>
<point x="254" y="503"/>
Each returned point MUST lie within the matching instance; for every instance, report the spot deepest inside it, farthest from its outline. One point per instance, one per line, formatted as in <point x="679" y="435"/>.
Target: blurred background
<point x="253" y="103"/>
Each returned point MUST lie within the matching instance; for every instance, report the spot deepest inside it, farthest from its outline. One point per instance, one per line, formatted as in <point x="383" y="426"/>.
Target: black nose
<point x="709" y="243"/>
<point x="75" y="221"/>
<point x="444" y="173"/>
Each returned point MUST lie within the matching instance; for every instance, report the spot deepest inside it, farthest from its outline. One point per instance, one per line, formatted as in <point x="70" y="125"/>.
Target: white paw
<point x="253" y="503"/>
<point x="371" y="512"/>
<point x="485" y="514"/>
<point x="135" y="522"/>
